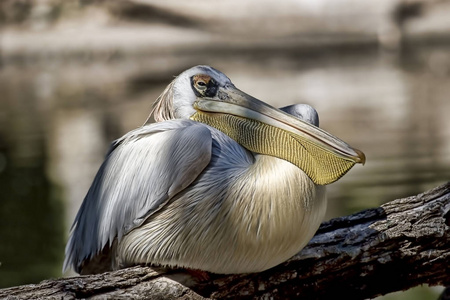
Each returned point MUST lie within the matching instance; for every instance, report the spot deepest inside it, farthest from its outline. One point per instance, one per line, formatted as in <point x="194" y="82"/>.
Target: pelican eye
<point x="201" y="85"/>
<point x="204" y="86"/>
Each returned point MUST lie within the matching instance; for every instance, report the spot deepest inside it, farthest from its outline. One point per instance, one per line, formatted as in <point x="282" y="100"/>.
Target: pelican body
<point x="222" y="182"/>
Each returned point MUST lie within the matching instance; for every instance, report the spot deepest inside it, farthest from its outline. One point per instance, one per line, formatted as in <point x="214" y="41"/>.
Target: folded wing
<point x="142" y="171"/>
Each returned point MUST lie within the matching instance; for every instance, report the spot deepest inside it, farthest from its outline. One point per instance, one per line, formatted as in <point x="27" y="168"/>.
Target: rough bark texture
<point x="399" y="245"/>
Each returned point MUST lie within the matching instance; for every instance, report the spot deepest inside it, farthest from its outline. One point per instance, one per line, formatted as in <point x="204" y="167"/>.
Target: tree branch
<point x="399" y="245"/>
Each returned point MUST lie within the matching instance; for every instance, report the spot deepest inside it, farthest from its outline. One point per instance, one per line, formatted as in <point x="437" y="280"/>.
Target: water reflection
<point x="57" y="119"/>
<point x="31" y="207"/>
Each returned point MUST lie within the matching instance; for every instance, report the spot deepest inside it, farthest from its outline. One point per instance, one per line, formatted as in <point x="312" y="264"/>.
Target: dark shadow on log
<point x="445" y="294"/>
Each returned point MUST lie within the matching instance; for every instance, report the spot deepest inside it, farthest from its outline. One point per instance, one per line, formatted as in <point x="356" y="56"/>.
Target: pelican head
<point x="206" y="95"/>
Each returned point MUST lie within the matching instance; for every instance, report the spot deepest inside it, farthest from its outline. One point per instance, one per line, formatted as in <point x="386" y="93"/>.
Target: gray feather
<point x="142" y="171"/>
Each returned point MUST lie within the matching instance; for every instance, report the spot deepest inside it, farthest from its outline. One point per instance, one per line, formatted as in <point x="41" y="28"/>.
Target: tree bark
<point x="402" y="244"/>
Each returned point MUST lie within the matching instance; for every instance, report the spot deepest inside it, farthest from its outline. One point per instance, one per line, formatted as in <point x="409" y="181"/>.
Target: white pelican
<point x="222" y="182"/>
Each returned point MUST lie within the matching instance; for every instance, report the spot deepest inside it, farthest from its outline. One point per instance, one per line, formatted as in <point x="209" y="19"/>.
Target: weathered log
<point x="402" y="244"/>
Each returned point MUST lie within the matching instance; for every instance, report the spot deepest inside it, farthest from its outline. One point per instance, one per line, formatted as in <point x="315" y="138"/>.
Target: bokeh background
<point x="75" y="75"/>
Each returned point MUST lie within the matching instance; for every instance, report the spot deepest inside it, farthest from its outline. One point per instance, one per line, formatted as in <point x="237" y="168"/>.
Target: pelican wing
<point x="142" y="171"/>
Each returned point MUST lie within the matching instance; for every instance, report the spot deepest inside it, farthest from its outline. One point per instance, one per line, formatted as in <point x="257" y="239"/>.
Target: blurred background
<point x="75" y="75"/>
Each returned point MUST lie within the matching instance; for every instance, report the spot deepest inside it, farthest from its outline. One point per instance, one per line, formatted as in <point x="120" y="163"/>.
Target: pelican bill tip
<point x="360" y="157"/>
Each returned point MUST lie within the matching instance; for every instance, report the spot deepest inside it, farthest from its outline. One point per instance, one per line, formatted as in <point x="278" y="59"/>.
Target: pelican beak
<point x="264" y="129"/>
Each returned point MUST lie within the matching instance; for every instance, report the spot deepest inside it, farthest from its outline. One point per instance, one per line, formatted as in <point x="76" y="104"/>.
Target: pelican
<point x="222" y="183"/>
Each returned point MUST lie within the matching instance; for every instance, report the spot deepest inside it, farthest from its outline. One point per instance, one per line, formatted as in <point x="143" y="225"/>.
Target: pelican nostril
<point x="223" y="96"/>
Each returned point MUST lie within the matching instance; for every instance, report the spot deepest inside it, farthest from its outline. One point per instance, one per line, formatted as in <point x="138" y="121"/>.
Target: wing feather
<point x="142" y="171"/>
